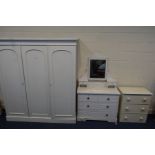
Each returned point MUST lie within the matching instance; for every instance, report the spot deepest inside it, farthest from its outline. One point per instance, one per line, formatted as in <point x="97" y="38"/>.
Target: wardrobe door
<point x="37" y="82"/>
<point x="62" y="65"/>
<point x="12" y="81"/>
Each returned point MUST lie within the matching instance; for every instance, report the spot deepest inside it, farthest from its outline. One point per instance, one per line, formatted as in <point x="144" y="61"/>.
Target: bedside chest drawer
<point x="139" y="118"/>
<point x="135" y="99"/>
<point x="130" y="108"/>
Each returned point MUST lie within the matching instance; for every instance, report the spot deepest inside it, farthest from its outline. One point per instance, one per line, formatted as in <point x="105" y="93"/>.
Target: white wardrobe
<point x="38" y="80"/>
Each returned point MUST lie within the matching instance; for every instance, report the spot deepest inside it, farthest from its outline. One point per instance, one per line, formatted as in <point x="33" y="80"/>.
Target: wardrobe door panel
<point x="12" y="81"/>
<point x="37" y="82"/>
<point x="62" y="65"/>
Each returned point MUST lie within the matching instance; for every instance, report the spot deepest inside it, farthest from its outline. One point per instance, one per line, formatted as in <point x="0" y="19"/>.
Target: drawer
<point x="135" y="99"/>
<point x="88" y="98"/>
<point x="136" y="118"/>
<point x="131" y="108"/>
<point x="98" y="98"/>
<point x="97" y="116"/>
<point x="108" y="98"/>
<point x="91" y="106"/>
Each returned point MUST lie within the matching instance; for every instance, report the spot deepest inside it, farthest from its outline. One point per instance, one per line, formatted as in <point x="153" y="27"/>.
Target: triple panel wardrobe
<point x="38" y="80"/>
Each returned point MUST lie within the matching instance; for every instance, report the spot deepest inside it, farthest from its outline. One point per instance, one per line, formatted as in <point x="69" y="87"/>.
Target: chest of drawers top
<point x="135" y="91"/>
<point x="98" y="90"/>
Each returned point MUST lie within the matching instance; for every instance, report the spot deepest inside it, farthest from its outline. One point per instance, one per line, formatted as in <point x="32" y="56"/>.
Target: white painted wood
<point x="37" y="81"/>
<point x="136" y="118"/>
<point x="131" y="108"/>
<point x="98" y="90"/>
<point x="62" y="68"/>
<point x="135" y="102"/>
<point x="12" y="81"/>
<point x="39" y="42"/>
<point x="136" y="99"/>
<point x="135" y="91"/>
<point x="94" y="106"/>
<point x="97" y="115"/>
<point x="42" y="119"/>
<point x="50" y="91"/>
<point x="108" y="98"/>
<point x="88" y="98"/>
<point x="98" y="98"/>
<point x="98" y="106"/>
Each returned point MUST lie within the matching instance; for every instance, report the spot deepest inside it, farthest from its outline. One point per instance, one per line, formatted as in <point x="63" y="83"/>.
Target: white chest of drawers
<point x="134" y="106"/>
<point x="98" y="104"/>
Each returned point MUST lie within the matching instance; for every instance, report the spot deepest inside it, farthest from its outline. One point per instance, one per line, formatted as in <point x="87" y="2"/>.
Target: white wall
<point x="131" y="50"/>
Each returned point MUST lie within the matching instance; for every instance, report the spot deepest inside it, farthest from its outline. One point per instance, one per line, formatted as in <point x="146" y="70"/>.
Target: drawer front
<point x="135" y="99"/>
<point x="92" y="115"/>
<point x="131" y="108"/>
<point x="88" y="98"/>
<point x="108" y="98"/>
<point x="98" y="98"/>
<point x="136" y="118"/>
<point x="97" y="116"/>
<point x="91" y="106"/>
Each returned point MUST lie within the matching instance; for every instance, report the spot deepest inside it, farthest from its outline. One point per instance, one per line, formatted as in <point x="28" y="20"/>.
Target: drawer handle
<point x="108" y="99"/>
<point x="128" y="99"/>
<point x="88" y="106"/>
<point x="126" y="118"/>
<point x="126" y="108"/>
<point x="106" y="115"/>
<point x="144" y="100"/>
<point x="141" y="118"/>
<point x="143" y="109"/>
<point x="107" y="106"/>
<point x="88" y="98"/>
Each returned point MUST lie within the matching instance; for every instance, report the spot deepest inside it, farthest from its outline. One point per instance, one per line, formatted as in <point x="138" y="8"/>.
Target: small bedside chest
<point x="134" y="104"/>
<point x="98" y="103"/>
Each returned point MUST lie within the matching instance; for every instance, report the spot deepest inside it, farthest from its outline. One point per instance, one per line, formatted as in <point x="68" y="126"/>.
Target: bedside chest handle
<point x="128" y="99"/>
<point x="142" y="109"/>
<point x="125" y="117"/>
<point x="144" y="100"/>
<point x="126" y="108"/>
<point x="141" y="118"/>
